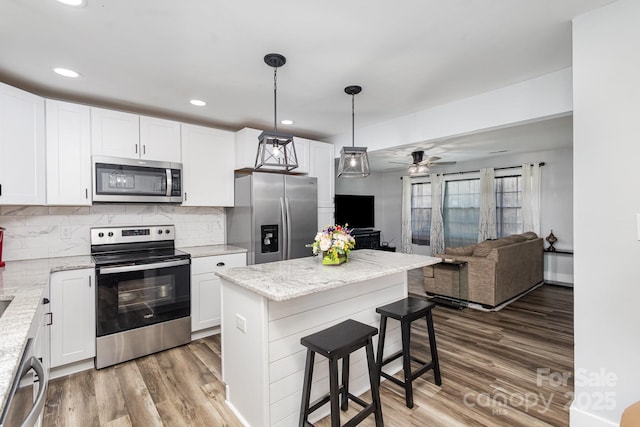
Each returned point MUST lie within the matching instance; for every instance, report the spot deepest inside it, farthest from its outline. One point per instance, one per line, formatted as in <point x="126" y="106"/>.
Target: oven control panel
<point x="132" y="234"/>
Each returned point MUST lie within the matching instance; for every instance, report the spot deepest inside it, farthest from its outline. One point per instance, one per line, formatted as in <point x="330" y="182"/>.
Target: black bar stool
<point x="334" y="343"/>
<point x="406" y="311"/>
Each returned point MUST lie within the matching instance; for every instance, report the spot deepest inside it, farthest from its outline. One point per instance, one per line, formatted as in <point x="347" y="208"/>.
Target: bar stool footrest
<point x="392" y="378"/>
<point x="368" y="410"/>
<point x="391" y="358"/>
<point x="319" y="403"/>
<point x="421" y="371"/>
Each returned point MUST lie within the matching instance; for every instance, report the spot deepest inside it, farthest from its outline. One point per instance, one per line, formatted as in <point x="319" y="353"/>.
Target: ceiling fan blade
<point x="441" y="163"/>
<point x="432" y="159"/>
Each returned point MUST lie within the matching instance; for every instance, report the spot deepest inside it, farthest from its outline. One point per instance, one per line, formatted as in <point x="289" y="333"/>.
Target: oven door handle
<point x="142" y="267"/>
<point x="27" y="363"/>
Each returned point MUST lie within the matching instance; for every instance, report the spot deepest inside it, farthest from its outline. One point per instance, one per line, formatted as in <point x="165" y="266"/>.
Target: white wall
<point x="40" y="231"/>
<point x="606" y="66"/>
<point x="387" y="190"/>
<point x="532" y="100"/>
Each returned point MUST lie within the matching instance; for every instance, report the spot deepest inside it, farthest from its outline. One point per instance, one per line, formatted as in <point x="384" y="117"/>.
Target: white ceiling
<point x="544" y="135"/>
<point x="153" y="56"/>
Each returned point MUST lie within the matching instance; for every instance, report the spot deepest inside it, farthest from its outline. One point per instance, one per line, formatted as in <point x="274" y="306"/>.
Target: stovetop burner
<point x="139" y="257"/>
<point x="134" y="245"/>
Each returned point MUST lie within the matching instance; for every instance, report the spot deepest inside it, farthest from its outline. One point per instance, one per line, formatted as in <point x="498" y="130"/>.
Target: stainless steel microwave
<point x="136" y="181"/>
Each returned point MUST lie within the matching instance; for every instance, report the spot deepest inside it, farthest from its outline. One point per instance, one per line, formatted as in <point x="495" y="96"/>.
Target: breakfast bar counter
<point x="267" y="308"/>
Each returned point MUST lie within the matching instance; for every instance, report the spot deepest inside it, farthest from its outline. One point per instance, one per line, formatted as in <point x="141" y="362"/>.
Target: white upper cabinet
<point x="322" y="166"/>
<point x="247" y="148"/>
<point x="119" y="134"/>
<point x="207" y="165"/>
<point x="68" y="129"/>
<point x="22" y="148"/>
<point x="160" y="139"/>
<point x="114" y="133"/>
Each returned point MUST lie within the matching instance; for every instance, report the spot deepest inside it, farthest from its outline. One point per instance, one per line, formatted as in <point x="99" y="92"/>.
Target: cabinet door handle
<point x="50" y="314"/>
<point x="220" y="264"/>
<point x="144" y="148"/>
<point x="89" y="281"/>
<point x="0" y="189"/>
<point x="86" y="193"/>
<point x="185" y="196"/>
<point x="136" y="148"/>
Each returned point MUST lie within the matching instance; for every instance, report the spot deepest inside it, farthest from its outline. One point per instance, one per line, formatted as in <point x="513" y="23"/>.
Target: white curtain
<point x="487" y="226"/>
<point x="405" y="246"/>
<point x="437" y="223"/>
<point x="531" y="197"/>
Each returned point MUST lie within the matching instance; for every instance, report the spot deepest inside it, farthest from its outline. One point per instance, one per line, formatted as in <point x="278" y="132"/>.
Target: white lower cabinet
<point x="205" y="288"/>
<point x="42" y="340"/>
<point x="73" y="328"/>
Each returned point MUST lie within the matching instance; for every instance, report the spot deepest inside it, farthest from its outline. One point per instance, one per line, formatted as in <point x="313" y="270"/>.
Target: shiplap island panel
<point x="267" y="308"/>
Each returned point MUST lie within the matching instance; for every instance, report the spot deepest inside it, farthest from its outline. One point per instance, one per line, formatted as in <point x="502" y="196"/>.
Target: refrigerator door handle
<point x="285" y="234"/>
<point x="286" y="202"/>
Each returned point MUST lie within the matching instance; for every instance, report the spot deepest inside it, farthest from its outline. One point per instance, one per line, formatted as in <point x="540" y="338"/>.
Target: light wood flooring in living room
<point x="498" y="369"/>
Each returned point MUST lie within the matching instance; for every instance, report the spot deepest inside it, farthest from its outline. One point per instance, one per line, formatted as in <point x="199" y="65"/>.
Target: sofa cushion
<point x="529" y="235"/>
<point x="463" y="250"/>
<point x="483" y="248"/>
<point x="516" y="238"/>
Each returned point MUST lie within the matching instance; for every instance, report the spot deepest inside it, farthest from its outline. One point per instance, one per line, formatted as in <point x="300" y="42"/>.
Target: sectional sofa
<point x="488" y="273"/>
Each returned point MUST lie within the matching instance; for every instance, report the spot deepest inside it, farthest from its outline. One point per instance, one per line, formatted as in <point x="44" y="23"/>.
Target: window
<point x="421" y="213"/>
<point x="461" y="212"/>
<point x="509" y="205"/>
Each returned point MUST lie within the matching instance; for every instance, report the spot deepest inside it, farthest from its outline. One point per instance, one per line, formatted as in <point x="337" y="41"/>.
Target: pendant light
<point x="276" y="149"/>
<point x="354" y="162"/>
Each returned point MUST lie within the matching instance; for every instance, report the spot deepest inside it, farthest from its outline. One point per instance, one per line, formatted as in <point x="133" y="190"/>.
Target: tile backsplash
<point x="55" y="231"/>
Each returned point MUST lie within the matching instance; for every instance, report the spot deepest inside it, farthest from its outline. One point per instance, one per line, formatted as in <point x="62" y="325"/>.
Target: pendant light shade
<point x="276" y="149"/>
<point x="354" y="162"/>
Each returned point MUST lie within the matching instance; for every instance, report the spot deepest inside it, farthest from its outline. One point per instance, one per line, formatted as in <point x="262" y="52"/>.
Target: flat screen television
<point x="355" y="210"/>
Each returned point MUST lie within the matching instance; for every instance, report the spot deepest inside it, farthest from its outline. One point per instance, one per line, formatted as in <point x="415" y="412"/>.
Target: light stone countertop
<point x="212" y="250"/>
<point x="283" y="280"/>
<point x="24" y="283"/>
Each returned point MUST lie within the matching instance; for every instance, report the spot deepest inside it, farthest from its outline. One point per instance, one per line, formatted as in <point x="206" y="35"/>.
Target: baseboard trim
<point x="580" y="418"/>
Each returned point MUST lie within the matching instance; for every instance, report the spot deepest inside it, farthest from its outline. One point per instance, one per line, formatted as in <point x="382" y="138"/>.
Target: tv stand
<point x="366" y="238"/>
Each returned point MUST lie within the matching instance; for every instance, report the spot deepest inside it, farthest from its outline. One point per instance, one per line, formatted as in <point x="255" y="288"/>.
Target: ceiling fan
<point x="421" y="165"/>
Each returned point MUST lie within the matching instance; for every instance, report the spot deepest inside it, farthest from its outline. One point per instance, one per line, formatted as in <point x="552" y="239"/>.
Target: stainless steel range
<point x="143" y="298"/>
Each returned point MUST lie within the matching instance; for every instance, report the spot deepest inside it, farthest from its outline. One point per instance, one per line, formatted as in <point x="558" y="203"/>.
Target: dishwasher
<point x="25" y="404"/>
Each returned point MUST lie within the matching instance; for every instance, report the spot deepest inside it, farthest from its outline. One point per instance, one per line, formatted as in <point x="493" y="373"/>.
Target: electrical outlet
<point x="241" y="323"/>
<point x="65" y="232"/>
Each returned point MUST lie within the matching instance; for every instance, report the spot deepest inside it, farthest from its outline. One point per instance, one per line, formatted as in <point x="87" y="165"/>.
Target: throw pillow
<point x="529" y="235"/>
<point x="463" y="250"/>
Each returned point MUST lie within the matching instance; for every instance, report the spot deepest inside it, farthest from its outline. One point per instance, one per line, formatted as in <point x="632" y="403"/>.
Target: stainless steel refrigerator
<point x="274" y="216"/>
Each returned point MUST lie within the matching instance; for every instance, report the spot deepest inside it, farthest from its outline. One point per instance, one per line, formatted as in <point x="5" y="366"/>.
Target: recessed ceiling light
<point x="286" y="122"/>
<point x="66" y="72"/>
<point x="198" y="103"/>
<point x="73" y="2"/>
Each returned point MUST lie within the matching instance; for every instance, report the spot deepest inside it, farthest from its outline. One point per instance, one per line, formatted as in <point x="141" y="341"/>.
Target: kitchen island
<point x="267" y="308"/>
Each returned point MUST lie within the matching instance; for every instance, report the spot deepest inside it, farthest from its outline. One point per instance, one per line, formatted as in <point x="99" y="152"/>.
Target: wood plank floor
<point x="498" y="369"/>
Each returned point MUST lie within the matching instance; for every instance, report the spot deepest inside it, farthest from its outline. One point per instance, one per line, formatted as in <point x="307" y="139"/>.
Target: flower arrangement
<point x="335" y="242"/>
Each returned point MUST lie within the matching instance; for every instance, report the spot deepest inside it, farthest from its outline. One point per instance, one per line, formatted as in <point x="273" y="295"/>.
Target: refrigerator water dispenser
<point x="269" y="236"/>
